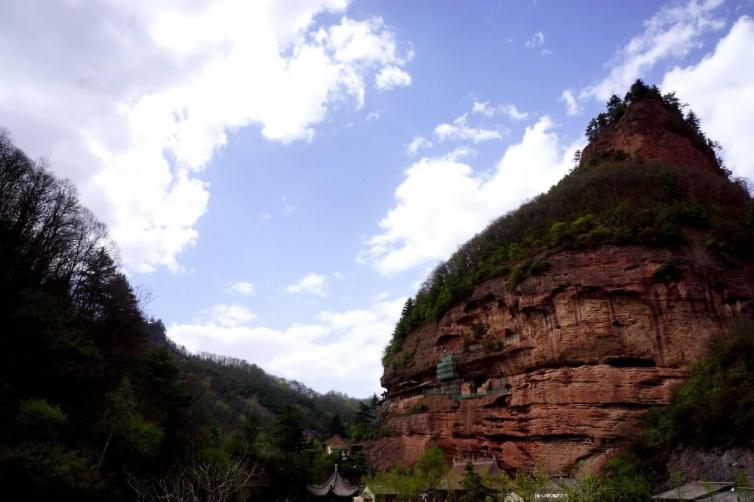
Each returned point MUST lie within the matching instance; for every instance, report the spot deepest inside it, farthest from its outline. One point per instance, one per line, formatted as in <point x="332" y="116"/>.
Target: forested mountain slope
<point x="95" y="403"/>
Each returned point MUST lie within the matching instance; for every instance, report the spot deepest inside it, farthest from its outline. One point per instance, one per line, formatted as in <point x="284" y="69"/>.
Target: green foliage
<point x="97" y="404"/>
<point x="611" y="200"/>
<point x="288" y="430"/>
<point x="38" y="419"/>
<point x="336" y="426"/>
<point x="401" y="481"/>
<point x="235" y="387"/>
<point x="472" y="485"/>
<point x="365" y="424"/>
<point x="714" y="408"/>
<point x="668" y="271"/>
<point x="403" y="358"/>
<point x="417" y="408"/>
<point x="493" y="344"/>
<point x="432" y="466"/>
<point x="408" y="483"/>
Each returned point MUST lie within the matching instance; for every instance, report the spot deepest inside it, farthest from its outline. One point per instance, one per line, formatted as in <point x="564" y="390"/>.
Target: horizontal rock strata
<point x="566" y="363"/>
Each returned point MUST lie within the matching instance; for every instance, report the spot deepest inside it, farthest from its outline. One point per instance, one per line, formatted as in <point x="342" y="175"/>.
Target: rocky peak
<point x="653" y="130"/>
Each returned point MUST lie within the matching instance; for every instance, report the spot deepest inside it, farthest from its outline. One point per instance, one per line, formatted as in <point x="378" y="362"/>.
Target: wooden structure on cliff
<point x="450" y="382"/>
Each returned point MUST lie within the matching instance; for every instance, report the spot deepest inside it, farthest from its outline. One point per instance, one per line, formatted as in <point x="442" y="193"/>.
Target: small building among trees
<point x="338" y="444"/>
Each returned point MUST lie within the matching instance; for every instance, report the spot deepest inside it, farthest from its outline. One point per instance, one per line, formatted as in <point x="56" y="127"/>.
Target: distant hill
<point x="235" y="387"/>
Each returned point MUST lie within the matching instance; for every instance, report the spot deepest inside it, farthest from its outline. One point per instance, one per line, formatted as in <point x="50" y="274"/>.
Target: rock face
<point x="649" y="130"/>
<point x="567" y="362"/>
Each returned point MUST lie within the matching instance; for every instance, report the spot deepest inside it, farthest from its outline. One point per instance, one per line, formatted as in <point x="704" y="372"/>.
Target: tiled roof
<point x="484" y="467"/>
<point x="338" y="442"/>
<point x="334" y="486"/>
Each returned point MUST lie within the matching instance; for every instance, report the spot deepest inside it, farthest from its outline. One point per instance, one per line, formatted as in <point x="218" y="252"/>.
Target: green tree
<point x="336" y="426"/>
<point x="288" y="430"/>
<point x="122" y="423"/>
<point x="432" y="466"/>
<point x="472" y="485"/>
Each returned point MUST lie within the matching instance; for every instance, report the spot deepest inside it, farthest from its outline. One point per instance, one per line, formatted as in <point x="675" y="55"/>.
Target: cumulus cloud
<point x="242" y="288"/>
<point x="416" y="144"/>
<point x="154" y="90"/>
<point x="509" y="110"/>
<point x="314" y="284"/>
<point x="443" y="202"/>
<point x="338" y="350"/>
<point x="391" y="77"/>
<point x="230" y="316"/>
<point x="720" y="89"/>
<point x="672" y="33"/>
<point x="460" y="130"/>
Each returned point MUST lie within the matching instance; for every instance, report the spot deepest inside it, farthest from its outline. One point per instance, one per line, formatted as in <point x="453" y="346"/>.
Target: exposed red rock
<point x="651" y="131"/>
<point x="569" y="361"/>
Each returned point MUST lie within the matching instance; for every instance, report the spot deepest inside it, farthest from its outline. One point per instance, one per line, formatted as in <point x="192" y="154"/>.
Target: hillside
<point x="545" y="338"/>
<point x="96" y="403"/>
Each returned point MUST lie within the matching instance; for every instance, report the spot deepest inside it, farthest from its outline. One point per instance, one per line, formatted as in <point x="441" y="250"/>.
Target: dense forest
<point x="611" y="199"/>
<point x="96" y="403"/>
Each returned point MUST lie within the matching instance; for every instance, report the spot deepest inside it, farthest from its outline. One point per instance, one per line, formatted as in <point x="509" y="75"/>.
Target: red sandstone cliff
<point x="571" y="358"/>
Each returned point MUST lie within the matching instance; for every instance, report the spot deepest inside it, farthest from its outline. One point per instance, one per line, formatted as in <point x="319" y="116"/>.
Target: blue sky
<point x="282" y="175"/>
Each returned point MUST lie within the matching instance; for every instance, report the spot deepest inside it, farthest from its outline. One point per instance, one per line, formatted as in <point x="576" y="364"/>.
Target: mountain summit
<point x="650" y="126"/>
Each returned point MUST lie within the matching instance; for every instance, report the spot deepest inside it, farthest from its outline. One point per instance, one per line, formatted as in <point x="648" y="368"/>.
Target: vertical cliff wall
<point x="568" y="362"/>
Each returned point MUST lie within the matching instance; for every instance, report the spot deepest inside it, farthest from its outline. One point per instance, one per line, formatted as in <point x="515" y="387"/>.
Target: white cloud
<point x="572" y="106"/>
<point x="720" y="89"/>
<point x="391" y="77"/>
<point x="340" y="350"/>
<point x="154" y="90"/>
<point x="536" y="40"/>
<point x="314" y="284"/>
<point x="442" y="202"/>
<point x="418" y="143"/>
<point x="671" y="33"/>
<point x="460" y="130"/>
<point x="230" y="316"/>
<point x="242" y="288"/>
<point x="288" y="208"/>
<point x="509" y="110"/>
<point x="375" y="115"/>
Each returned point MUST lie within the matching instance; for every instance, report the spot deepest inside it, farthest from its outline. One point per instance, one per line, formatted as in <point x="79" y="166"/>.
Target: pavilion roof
<point x="335" y="485"/>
